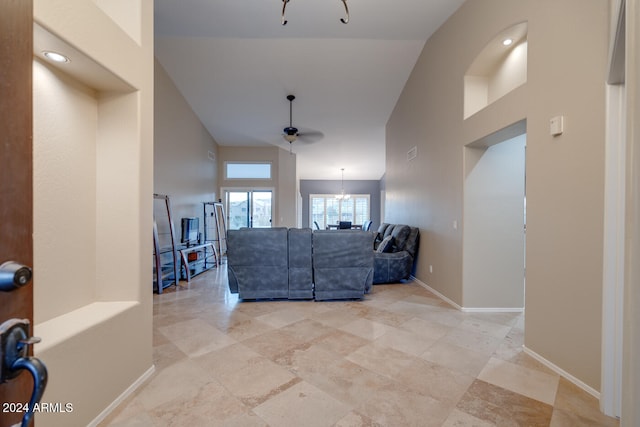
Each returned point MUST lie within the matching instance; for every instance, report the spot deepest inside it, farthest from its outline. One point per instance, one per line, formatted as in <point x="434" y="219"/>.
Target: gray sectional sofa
<point x="269" y="263"/>
<point x="395" y="247"/>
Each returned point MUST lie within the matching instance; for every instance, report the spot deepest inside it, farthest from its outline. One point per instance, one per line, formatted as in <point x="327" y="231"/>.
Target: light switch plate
<point x="556" y="125"/>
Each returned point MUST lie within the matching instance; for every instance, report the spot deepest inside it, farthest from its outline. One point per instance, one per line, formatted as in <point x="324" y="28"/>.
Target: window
<point x="247" y="170"/>
<point x="248" y="208"/>
<point x="327" y="209"/>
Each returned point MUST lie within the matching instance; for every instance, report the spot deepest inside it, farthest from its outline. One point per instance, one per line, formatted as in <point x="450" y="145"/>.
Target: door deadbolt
<point x="13" y="276"/>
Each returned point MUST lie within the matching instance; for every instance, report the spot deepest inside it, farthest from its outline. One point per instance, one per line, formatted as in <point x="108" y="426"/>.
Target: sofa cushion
<point x="342" y="264"/>
<point x="258" y="247"/>
<point x="386" y="245"/>
<point x="388" y="230"/>
<point x="382" y="228"/>
<point x="400" y="234"/>
<point x="413" y="240"/>
<point x="257" y="263"/>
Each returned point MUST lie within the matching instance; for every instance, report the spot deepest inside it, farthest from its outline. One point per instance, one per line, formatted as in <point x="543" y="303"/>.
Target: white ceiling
<point x="235" y="64"/>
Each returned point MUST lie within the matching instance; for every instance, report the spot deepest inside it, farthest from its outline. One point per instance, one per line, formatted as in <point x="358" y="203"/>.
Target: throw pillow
<point x="385" y="245"/>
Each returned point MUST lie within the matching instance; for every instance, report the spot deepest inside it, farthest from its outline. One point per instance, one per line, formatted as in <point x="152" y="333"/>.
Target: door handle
<point x="13" y="276"/>
<point x="14" y="346"/>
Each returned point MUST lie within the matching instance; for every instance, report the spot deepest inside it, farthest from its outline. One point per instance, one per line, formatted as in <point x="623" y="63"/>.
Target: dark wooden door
<point x="16" y="172"/>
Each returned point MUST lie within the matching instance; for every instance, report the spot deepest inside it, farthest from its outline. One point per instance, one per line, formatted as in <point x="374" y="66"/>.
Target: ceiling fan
<point x="292" y="133"/>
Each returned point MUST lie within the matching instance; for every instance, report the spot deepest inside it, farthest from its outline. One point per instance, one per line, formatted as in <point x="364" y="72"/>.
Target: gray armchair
<point x="396" y="246"/>
<point x="342" y="264"/>
<point x="257" y="262"/>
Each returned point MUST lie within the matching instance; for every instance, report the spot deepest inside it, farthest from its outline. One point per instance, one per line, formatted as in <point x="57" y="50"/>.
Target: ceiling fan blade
<point x="310" y="136"/>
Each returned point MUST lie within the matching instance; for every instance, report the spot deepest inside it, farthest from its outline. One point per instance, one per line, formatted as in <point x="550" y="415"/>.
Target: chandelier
<point x="343" y="20"/>
<point x="342" y="196"/>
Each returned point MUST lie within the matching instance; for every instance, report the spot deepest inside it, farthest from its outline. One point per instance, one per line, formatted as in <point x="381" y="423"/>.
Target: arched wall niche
<point x="497" y="70"/>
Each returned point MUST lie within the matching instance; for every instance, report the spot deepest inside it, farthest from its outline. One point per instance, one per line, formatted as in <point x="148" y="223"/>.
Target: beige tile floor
<point x="400" y="357"/>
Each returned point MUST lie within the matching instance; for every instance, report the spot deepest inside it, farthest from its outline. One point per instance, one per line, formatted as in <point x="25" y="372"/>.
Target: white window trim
<point x="333" y="196"/>
<point x="226" y="177"/>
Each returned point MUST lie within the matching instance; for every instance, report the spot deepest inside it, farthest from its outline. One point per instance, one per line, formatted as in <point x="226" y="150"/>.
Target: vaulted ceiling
<point x="235" y="64"/>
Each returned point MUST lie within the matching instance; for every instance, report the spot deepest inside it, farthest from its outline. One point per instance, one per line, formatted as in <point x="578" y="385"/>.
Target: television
<point x="190" y="229"/>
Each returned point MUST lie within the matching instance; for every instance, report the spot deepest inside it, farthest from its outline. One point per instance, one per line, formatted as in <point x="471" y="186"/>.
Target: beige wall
<point x="288" y="201"/>
<point x="283" y="178"/>
<point x="65" y="115"/>
<point x="183" y="168"/>
<point x="511" y="73"/>
<point x="567" y="54"/>
<point x="93" y="150"/>
<point x="631" y="373"/>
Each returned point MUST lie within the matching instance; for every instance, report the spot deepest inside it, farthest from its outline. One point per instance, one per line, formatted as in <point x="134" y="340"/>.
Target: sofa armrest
<point x="233" y="280"/>
<point x="391" y="267"/>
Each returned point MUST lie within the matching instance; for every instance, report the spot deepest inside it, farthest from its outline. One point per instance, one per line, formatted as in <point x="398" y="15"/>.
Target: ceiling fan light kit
<point x="292" y="134"/>
<point x="343" y="20"/>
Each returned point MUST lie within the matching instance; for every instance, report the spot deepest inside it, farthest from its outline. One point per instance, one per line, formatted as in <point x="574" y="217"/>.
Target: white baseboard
<point x="468" y="309"/>
<point x="593" y="392"/>
<point x="493" y="309"/>
<point x="438" y="294"/>
<point x="137" y="383"/>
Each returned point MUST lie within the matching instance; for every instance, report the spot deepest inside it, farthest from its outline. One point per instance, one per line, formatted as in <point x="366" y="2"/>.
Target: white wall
<point x="476" y="94"/>
<point x="511" y="73"/>
<point x="493" y="227"/>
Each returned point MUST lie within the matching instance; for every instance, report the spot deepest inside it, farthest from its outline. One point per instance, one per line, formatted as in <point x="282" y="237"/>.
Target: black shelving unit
<point x="197" y="259"/>
<point x="215" y="229"/>
<point x="166" y="265"/>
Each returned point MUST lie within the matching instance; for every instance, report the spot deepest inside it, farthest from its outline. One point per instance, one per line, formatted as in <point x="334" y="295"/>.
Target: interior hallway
<point x="400" y="357"/>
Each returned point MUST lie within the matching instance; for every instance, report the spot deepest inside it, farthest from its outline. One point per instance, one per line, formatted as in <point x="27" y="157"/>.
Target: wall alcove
<point x="497" y="70"/>
<point x="92" y="219"/>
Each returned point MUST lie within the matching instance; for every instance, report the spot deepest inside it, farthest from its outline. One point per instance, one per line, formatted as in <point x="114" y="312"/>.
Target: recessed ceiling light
<point x="56" y="57"/>
<point x="507" y="42"/>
